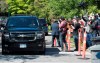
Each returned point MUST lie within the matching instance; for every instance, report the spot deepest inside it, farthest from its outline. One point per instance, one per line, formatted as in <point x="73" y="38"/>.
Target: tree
<point x="20" y="6"/>
<point x="52" y="8"/>
<point x="3" y="6"/>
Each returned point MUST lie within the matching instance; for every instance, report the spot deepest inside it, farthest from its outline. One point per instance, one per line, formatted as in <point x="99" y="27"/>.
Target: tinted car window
<point x="42" y="21"/>
<point x="22" y="22"/>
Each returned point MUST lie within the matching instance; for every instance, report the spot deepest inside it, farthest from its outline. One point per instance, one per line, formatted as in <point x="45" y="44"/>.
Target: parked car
<point x="22" y="34"/>
<point x="44" y="25"/>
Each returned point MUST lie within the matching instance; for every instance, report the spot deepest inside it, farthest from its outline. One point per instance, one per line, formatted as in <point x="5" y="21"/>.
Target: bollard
<point x="68" y="39"/>
<point x="55" y="42"/>
<point x="84" y="45"/>
<point x="79" y="42"/>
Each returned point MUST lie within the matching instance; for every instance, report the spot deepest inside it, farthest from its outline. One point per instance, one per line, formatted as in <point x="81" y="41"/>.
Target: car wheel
<point x="5" y="52"/>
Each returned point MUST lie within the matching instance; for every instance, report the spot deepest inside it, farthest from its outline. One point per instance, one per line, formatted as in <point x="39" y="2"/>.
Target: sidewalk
<point x="52" y="56"/>
<point x="68" y="57"/>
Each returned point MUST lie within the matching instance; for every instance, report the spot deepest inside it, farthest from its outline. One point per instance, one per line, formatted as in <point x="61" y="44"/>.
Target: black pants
<point x="53" y="38"/>
<point x="63" y="40"/>
<point x="98" y="32"/>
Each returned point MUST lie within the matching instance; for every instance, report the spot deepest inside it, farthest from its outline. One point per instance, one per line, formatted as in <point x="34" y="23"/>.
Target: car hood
<point x="24" y="29"/>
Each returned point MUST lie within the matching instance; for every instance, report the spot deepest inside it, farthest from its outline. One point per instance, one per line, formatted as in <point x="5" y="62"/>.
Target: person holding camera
<point x="63" y="31"/>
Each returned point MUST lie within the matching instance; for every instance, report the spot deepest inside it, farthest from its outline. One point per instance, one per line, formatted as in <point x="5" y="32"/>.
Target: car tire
<point x="5" y="52"/>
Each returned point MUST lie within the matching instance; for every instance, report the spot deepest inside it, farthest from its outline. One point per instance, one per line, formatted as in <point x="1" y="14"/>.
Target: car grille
<point x="22" y="37"/>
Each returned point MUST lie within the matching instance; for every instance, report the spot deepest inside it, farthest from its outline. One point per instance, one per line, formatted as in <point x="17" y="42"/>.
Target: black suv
<point x="22" y="34"/>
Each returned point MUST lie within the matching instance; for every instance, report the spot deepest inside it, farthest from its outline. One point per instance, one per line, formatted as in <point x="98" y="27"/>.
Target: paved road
<point x="53" y="55"/>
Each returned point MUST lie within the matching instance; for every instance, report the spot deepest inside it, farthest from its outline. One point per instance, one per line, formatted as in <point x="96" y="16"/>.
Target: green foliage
<point x="20" y="6"/>
<point x="51" y="8"/>
<point x="92" y="9"/>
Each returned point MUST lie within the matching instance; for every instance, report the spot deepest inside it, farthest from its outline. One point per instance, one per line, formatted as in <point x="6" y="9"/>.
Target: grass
<point x="49" y="28"/>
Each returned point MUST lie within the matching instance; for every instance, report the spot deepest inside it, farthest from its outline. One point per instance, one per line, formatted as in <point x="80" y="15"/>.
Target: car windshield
<point x="22" y="22"/>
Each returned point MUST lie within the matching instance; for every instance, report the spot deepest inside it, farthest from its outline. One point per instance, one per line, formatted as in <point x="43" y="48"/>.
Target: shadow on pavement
<point x="52" y="51"/>
<point x="84" y="58"/>
<point x="55" y="52"/>
<point x="16" y="57"/>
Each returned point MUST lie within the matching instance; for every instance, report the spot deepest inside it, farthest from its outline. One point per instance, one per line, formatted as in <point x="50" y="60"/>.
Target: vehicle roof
<point x="24" y="16"/>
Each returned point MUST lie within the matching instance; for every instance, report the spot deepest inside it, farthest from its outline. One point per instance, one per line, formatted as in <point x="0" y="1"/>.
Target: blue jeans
<point x="76" y="41"/>
<point x="94" y="34"/>
<point x="63" y="40"/>
<point x="88" y="40"/>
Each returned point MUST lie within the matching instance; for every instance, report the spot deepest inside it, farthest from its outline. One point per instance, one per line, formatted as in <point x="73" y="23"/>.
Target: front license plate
<point x="22" y="46"/>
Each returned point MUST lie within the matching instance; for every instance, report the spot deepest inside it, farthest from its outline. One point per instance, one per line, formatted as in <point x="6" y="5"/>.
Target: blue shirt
<point x="55" y="28"/>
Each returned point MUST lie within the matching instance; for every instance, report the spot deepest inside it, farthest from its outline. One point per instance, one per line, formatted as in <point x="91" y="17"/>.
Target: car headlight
<point x="6" y="35"/>
<point x="39" y="35"/>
